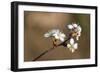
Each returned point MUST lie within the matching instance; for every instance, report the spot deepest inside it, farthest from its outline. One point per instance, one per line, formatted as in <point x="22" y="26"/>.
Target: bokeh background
<point x="36" y="24"/>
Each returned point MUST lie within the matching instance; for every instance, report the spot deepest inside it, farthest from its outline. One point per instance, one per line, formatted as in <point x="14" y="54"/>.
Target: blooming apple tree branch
<point x="70" y="41"/>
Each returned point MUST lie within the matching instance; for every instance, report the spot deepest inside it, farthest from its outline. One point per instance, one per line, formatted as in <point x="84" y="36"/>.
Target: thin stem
<point x="50" y="49"/>
<point x="43" y="53"/>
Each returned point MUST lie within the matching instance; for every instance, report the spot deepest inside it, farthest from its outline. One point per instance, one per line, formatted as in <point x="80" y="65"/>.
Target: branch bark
<point x="43" y="53"/>
<point x="61" y="44"/>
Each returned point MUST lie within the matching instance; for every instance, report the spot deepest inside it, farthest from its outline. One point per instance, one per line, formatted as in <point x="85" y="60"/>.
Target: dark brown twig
<point x="43" y="53"/>
<point x="63" y="43"/>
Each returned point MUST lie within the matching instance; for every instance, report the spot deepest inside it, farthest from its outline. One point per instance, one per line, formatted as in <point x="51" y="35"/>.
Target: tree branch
<point x="43" y="53"/>
<point x="63" y="44"/>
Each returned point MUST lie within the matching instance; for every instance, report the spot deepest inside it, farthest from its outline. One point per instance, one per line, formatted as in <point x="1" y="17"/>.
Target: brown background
<point x="38" y="23"/>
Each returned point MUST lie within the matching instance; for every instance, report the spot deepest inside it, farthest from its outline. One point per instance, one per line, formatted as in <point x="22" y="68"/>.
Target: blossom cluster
<point x="75" y="31"/>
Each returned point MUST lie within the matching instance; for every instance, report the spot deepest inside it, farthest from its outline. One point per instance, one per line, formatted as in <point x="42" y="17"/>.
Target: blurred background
<point x="38" y="23"/>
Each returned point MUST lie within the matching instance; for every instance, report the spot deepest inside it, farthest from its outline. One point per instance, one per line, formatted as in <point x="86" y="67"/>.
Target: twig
<point x="43" y="53"/>
<point x="63" y="43"/>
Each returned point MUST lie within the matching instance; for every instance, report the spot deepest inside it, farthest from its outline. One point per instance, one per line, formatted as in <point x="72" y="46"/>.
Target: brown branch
<point x="63" y="44"/>
<point x="43" y="53"/>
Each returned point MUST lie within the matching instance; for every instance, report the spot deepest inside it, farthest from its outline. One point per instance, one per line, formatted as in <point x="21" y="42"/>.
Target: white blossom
<point x="76" y="28"/>
<point x="72" y="45"/>
<point x="79" y="29"/>
<point x="56" y="34"/>
<point x="70" y="26"/>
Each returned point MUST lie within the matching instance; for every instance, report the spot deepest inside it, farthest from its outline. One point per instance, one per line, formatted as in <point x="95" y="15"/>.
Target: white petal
<point x="61" y="39"/>
<point x="62" y="35"/>
<point x="77" y="37"/>
<point x="79" y="33"/>
<point x="55" y="31"/>
<point x="56" y="36"/>
<point x="71" y="41"/>
<point x="72" y="50"/>
<point x="75" y="46"/>
<point x="70" y="26"/>
<point x="75" y="25"/>
<point x="46" y="35"/>
<point x="79" y="28"/>
<point x="69" y="46"/>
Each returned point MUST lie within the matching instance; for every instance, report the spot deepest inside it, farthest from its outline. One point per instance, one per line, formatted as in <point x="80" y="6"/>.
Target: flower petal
<point x="55" y="31"/>
<point x="79" y="33"/>
<point x="62" y="35"/>
<point x="75" y="25"/>
<point x="70" y="26"/>
<point x="47" y="35"/>
<point x="79" y="29"/>
<point x="75" y="46"/>
<point x="56" y="36"/>
<point x="61" y="39"/>
<point x="69" y="46"/>
<point x="77" y="37"/>
<point x="71" y="41"/>
<point x="72" y="50"/>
